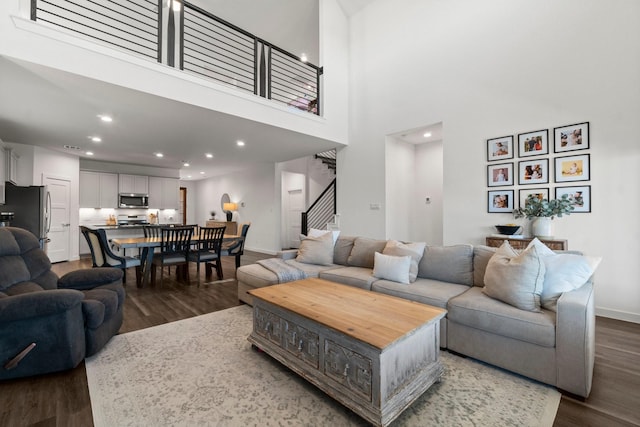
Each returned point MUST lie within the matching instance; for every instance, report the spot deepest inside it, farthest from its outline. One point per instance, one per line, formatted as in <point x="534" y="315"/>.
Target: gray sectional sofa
<point x="555" y="348"/>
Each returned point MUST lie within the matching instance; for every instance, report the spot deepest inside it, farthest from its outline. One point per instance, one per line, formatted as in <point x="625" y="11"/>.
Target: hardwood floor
<point x="62" y="399"/>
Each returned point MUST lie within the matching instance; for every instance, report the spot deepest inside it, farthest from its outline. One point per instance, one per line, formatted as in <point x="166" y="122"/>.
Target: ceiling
<point x="50" y="108"/>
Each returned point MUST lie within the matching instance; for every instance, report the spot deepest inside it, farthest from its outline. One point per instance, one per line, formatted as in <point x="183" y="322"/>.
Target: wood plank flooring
<point x="62" y="399"/>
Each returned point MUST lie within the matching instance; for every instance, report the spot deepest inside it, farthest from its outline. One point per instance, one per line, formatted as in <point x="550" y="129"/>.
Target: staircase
<point x="322" y="210"/>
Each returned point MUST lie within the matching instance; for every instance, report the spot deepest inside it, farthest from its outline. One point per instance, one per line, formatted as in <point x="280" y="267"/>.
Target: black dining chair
<point x="235" y="248"/>
<point x="209" y="245"/>
<point x="102" y="256"/>
<point x="174" y="250"/>
<point x="151" y="230"/>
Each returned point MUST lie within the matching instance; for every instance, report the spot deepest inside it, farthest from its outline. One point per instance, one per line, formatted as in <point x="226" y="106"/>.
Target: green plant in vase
<point x="542" y="211"/>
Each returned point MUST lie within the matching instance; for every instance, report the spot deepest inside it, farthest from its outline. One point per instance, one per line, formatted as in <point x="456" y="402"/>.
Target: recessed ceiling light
<point x="209" y="155"/>
<point x="105" y="118"/>
<point x="89" y="153"/>
<point x="159" y="155"/>
<point x="427" y="135"/>
<point x="96" y="138"/>
<point x="303" y="57"/>
<point x="240" y="143"/>
<point x="186" y="165"/>
<point x="188" y="176"/>
<point x="201" y="172"/>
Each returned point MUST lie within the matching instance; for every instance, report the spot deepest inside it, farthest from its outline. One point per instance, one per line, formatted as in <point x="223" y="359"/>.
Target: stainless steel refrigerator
<point x="32" y="209"/>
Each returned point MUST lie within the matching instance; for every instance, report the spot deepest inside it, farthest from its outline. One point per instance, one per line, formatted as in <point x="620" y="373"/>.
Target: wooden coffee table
<point x="376" y="354"/>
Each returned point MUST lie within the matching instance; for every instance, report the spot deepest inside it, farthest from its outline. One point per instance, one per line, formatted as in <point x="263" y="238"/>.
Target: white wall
<point x="256" y="188"/>
<point x="427" y="221"/>
<point x="400" y="187"/>
<point x="494" y="68"/>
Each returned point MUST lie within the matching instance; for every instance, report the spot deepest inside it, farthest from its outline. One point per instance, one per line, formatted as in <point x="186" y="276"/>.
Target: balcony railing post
<point x="181" y="34"/>
<point x="34" y="9"/>
<point x="263" y="77"/>
<point x="255" y="66"/>
<point x="159" y="30"/>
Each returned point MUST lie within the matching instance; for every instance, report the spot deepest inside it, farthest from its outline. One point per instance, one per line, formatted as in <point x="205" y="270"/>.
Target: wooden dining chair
<point x="235" y="248"/>
<point x="174" y="250"/>
<point x="209" y="244"/>
<point x="102" y="256"/>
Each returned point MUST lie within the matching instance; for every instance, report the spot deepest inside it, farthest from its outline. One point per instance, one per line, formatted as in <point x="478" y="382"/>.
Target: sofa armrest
<point x="287" y="254"/>
<point x="575" y="340"/>
<point x="89" y="278"/>
<point x="36" y="304"/>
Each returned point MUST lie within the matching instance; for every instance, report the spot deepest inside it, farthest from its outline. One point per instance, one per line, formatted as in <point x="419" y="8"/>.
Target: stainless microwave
<point x="128" y="200"/>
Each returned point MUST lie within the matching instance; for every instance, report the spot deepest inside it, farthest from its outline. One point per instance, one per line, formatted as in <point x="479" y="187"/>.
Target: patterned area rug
<point x="203" y="372"/>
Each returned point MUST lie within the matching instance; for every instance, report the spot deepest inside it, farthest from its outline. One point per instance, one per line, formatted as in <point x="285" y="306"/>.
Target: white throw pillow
<point x="314" y="232"/>
<point x="515" y="278"/>
<point x="394" y="268"/>
<point x="316" y="250"/>
<point x="564" y="273"/>
<point x="414" y="250"/>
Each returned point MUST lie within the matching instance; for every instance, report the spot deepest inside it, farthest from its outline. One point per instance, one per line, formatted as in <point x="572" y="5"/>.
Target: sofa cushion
<point x="390" y="267"/>
<point x="475" y="309"/>
<point x="342" y="249"/>
<point x="563" y="273"/>
<point x="359" y="277"/>
<point x="316" y="250"/>
<point x="452" y="264"/>
<point x="312" y="270"/>
<point x="425" y="291"/>
<point x="106" y="298"/>
<point x="481" y="256"/>
<point x="362" y="254"/>
<point x="515" y="278"/>
<point x="256" y="275"/>
<point x="23" y="288"/>
<point x="414" y="250"/>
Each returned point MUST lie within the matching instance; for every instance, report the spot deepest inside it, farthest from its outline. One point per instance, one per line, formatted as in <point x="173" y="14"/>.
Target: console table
<point x="516" y="243"/>
<point x="231" y="226"/>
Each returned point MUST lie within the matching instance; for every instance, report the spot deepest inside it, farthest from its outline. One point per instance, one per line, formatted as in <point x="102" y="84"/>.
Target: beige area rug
<point x="203" y="372"/>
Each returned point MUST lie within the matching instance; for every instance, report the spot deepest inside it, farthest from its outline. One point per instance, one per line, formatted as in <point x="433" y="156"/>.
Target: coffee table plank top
<point x="370" y="317"/>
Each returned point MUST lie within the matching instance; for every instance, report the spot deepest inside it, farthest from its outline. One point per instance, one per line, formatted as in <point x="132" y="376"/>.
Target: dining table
<point x="148" y="245"/>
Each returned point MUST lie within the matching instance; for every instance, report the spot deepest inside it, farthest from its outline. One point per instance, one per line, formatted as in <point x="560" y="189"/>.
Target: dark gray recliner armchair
<point x="66" y="318"/>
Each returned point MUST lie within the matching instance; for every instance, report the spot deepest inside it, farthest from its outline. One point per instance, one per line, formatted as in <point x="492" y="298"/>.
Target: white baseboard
<point x="618" y="315"/>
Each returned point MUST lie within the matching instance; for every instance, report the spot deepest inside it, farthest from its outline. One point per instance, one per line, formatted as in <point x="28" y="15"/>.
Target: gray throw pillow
<point x="316" y="250"/>
<point x="515" y="278"/>
<point x="414" y="250"/>
<point x="453" y="264"/>
<point x="363" y="252"/>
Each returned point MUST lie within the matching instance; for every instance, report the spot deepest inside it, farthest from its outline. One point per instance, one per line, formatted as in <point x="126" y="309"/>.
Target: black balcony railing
<point x="196" y="41"/>
<point x="321" y="211"/>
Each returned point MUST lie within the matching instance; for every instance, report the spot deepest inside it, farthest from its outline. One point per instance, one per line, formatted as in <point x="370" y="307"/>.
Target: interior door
<point x="58" y="246"/>
<point x="295" y="205"/>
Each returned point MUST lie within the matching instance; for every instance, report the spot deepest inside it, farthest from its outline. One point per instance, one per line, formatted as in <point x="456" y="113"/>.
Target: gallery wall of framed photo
<point x="530" y="163"/>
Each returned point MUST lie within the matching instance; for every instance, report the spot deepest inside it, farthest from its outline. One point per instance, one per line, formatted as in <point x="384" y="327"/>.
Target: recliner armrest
<point x="40" y="303"/>
<point x="89" y="278"/>
<point x="575" y="340"/>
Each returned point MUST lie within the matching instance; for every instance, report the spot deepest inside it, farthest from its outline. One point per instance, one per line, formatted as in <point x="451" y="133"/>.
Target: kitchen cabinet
<point x="98" y="190"/>
<point x="11" y="165"/>
<point x="133" y="184"/>
<point x="164" y="193"/>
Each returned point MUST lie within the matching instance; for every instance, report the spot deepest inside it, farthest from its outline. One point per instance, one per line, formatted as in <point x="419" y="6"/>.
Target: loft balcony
<point x="192" y="40"/>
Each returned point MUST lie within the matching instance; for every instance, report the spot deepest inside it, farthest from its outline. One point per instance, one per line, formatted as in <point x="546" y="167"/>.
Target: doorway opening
<point x="183" y="205"/>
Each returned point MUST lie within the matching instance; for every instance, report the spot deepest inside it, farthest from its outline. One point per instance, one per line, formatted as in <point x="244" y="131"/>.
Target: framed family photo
<point x="500" y="148"/>
<point x="539" y="193"/>
<point x="533" y="172"/>
<point x="579" y="195"/>
<point x="571" y="137"/>
<point x="500" y="175"/>
<point x="572" y="168"/>
<point x="533" y="143"/>
<point x="500" y="201"/>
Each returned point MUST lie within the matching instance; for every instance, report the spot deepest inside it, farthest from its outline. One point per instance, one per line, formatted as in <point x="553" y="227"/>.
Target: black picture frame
<point x="571" y="138"/>
<point x="535" y="171"/>
<point x="500" y="148"/>
<point x="526" y="192"/>
<point x="534" y="143"/>
<point x="573" y="168"/>
<point x="496" y="205"/>
<point x="500" y="175"/>
<point x="579" y="194"/>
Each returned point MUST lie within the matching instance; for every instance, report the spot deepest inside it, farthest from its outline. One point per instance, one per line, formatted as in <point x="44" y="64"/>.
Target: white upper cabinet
<point x="98" y="190"/>
<point x="133" y="184"/>
<point x="164" y="193"/>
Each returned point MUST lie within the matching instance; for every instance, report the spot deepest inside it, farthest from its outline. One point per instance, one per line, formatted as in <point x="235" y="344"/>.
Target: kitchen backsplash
<point x="90" y="216"/>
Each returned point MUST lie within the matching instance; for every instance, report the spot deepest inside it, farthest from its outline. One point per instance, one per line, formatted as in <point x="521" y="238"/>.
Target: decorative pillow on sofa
<point x="314" y="232"/>
<point x="453" y="264"/>
<point x="316" y="250"/>
<point x="564" y="272"/>
<point x="394" y="268"/>
<point x="414" y="250"/>
<point x="515" y="278"/>
<point x="362" y="253"/>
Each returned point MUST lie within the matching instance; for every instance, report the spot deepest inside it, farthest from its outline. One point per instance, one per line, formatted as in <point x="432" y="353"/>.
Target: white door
<point x="295" y="207"/>
<point x="59" y="232"/>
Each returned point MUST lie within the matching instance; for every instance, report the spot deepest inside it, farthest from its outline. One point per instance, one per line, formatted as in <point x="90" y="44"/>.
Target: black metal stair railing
<point x="321" y="211"/>
<point x="209" y="47"/>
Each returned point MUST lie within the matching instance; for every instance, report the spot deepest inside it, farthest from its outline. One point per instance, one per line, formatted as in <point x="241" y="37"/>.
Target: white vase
<point x="542" y="227"/>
